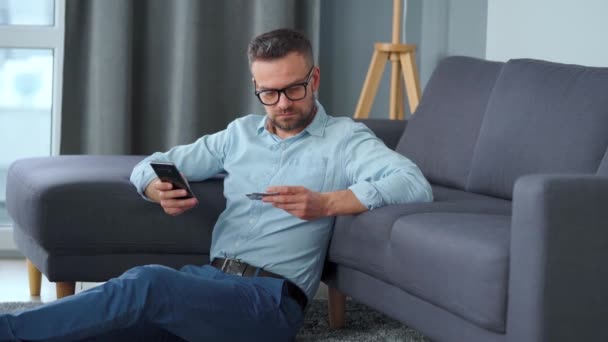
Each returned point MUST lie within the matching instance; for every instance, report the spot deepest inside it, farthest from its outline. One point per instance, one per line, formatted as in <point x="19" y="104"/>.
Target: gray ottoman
<point x="78" y="218"/>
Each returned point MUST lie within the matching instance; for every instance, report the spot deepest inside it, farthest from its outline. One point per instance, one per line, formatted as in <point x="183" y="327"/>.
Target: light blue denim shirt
<point x="330" y="154"/>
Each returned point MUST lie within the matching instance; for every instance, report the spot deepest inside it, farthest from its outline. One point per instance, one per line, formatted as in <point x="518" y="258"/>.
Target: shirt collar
<point x="316" y="127"/>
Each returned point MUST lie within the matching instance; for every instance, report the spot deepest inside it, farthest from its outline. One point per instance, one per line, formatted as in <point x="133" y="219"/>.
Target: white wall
<point x="564" y="31"/>
<point x="349" y="29"/>
<point x="467" y="28"/>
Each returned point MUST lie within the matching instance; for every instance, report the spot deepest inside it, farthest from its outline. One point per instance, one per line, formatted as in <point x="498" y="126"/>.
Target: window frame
<point x="50" y="37"/>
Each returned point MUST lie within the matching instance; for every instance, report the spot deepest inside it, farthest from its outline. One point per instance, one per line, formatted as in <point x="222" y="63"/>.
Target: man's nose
<point x="284" y="101"/>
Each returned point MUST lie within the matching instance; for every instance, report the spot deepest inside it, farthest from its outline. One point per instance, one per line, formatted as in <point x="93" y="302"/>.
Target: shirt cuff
<point x="142" y="193"/>
<point x="367" y="194"/>
<point x="142" y="178"/>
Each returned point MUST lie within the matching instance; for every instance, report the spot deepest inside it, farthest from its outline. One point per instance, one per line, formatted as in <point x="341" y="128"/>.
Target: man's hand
<point x="310" y="205"/>
<point x="163" y="193"/>
<point x="298" y="201"/>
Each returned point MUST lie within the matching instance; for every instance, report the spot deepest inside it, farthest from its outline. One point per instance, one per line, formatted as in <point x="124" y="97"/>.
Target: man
<point x="267" y="255"/>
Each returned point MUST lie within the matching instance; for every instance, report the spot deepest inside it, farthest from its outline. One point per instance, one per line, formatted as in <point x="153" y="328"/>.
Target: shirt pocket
<point x="307" y="171"/>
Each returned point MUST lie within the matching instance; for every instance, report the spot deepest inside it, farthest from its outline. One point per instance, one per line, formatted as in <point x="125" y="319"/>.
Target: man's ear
<point x="316" y="78"/>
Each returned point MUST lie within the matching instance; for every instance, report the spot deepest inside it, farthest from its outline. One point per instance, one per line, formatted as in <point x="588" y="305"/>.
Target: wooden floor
<point x="14" y="284"/>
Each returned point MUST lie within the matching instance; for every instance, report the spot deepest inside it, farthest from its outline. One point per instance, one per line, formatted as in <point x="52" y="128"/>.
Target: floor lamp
<point x="403" y="60"/>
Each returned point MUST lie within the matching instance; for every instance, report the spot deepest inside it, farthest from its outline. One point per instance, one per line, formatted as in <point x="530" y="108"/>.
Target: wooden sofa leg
<point x="336" y="306"/>
<point x="35" y="278"/>
<point x="65" y="288"/>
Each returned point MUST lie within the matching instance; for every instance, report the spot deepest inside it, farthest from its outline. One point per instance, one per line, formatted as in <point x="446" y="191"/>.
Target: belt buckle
<point x="232" y="266"/>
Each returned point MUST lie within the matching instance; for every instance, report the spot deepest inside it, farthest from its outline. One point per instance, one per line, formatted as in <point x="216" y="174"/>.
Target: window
<point x="31" y="58"/>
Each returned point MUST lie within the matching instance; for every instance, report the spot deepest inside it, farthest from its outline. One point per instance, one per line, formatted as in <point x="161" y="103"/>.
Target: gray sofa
<point x="512" y="249"/>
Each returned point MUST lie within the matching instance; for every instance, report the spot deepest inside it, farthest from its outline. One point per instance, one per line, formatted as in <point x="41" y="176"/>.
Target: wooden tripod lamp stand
<point x="403" y="60"/>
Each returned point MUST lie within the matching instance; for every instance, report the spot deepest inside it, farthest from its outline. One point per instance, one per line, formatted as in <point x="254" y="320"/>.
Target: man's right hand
<point x="164" y="194"/>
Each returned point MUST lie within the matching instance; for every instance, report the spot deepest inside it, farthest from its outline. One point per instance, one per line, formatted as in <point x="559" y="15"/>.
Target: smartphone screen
<point x="168" y="172"/>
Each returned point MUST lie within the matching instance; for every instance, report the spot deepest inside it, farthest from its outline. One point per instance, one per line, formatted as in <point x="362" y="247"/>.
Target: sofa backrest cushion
<point x="542" y="117"/>
<point x="603" y="169"/>
<point x="440" y="136"/>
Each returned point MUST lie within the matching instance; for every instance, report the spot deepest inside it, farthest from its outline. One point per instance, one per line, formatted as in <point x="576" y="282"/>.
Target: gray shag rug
<point x="362" y="324"/>
<point x="7" y="307"/>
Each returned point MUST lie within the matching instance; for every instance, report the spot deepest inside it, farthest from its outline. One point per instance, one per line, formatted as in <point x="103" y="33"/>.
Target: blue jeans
<point x="157" y="303"/>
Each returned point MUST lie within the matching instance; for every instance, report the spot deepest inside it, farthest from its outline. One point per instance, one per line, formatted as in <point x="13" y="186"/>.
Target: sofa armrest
<point x="558" y="278"/>
<point x="389" y="131"/>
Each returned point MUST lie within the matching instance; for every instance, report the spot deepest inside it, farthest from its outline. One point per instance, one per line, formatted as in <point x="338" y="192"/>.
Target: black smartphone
<point x="167" y="172"/>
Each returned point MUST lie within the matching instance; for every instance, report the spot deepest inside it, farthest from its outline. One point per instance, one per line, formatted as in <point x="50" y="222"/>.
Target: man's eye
<point x="268" y="93"/>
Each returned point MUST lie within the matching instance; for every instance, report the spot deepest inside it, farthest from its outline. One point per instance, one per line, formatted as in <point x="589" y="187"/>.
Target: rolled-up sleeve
<point x="197" y="161"/>
<point x="367" y="194"/>
<point x="380" y="176"/>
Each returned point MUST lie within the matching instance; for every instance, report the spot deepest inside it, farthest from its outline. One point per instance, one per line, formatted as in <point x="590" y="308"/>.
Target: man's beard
<point x="300" y="122"/>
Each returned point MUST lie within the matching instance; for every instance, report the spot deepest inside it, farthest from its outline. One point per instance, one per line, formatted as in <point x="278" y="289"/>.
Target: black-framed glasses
<point x="294" y="92"/>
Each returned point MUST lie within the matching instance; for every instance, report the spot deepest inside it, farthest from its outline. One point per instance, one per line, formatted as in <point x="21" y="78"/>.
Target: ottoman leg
<point x="34" y="277"/>
<point x="336" y="305"/>
<point x="65" y="288"/>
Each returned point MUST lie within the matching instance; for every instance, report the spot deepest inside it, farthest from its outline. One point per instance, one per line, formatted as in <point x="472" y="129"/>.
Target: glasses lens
<point x="296" y="92"/>
<point x="269" y="96"/>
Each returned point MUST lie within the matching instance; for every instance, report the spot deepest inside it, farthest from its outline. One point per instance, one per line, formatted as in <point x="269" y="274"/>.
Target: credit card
<point x="260" y="195"/>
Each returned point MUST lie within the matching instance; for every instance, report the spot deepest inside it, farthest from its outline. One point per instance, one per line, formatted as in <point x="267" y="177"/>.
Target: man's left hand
<point x="298" y="201"/>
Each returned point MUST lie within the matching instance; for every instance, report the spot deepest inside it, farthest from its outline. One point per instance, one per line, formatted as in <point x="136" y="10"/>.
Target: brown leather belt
<point x="243" y="269"/>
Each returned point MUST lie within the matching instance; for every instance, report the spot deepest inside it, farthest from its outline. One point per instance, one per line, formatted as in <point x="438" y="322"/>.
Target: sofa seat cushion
<point x="358" y="240"/>
<point x="457" y="261"/>
<point x="369" y="242"/>
<point x="85" y="205"/>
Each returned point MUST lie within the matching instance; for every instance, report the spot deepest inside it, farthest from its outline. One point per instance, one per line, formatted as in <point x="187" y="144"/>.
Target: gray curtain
<point x="143" y="76"/>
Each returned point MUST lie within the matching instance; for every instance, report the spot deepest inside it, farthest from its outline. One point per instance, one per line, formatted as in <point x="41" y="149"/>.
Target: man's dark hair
<point x="279" y="43"/>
